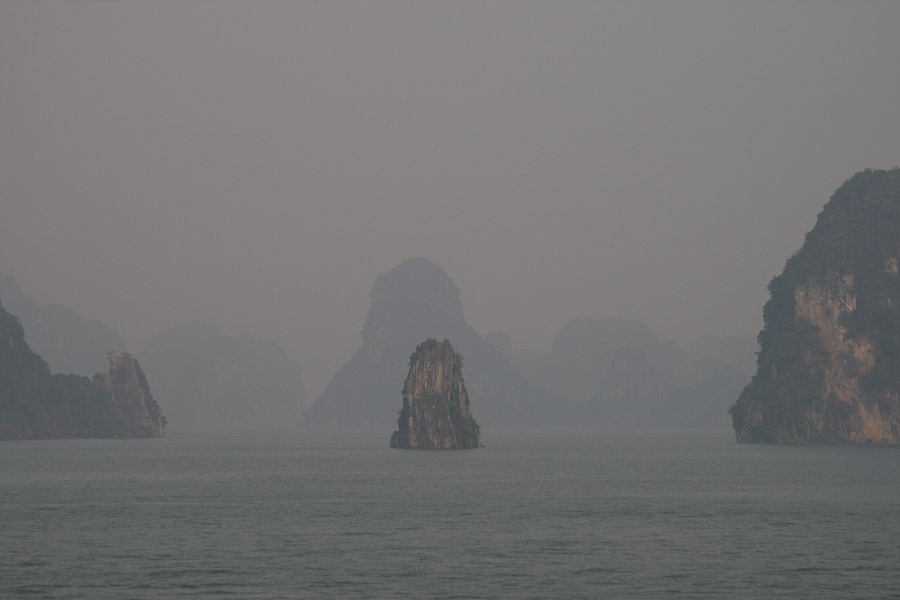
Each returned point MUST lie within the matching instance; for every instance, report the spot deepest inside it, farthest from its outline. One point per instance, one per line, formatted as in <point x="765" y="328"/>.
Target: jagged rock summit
<point x="829" y="360"/>
<point x="435" y="411"/>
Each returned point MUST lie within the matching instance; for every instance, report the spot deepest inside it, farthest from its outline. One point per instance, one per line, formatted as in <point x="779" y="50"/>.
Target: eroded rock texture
<point x="829" y="361"/>
<point x="435" y="411"/>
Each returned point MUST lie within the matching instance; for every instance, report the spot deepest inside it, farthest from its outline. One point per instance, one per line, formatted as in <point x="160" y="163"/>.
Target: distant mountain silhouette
<point x="501" y="342"/>
<point x="582" y="352"/>
<point x="632" y="393"/>
<point x="415" y="301"/>
<point x="67" y="341"/>
<point x="619" y="373"/>
<point x="204" y="378"/>
<point x="739" y="352"/>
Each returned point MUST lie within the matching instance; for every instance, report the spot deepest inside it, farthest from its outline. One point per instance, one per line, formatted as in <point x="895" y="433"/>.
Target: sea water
<point x="557" y="513"/>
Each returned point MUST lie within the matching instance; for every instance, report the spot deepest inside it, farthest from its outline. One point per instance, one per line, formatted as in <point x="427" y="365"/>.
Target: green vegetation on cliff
<point x="830" y="346"/>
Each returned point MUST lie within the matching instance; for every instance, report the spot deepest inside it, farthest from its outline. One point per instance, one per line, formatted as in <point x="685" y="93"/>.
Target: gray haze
<point x="257" y="165"/>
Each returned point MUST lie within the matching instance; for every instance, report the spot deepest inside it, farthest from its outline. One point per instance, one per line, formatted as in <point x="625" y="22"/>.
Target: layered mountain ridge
<point x="618" y="373"/>
<point x="204" y="378"/>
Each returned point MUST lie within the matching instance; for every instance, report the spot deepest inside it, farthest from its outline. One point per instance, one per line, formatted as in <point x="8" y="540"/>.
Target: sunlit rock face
<point x="829" y="362"/>
<point x="435" y="412"/>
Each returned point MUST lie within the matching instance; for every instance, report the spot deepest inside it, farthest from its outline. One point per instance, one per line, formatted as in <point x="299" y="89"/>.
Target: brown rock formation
<point x="435" y="411"/>
<point x="829" y="361"/>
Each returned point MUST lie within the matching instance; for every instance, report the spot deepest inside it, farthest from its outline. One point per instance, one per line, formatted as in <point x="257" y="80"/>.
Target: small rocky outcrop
<point x="435" y="411"/>
<point x="829" y="360"/>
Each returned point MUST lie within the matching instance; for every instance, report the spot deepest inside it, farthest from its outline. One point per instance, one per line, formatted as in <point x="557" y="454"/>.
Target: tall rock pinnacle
<point x="435" y="411"/>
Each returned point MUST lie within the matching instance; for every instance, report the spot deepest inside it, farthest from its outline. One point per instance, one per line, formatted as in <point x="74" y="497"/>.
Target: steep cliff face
<point x="130" y="398"/>
<point x="435" y="411"/>
<point x="37" y="404"/>
<point x="829" y="362"/>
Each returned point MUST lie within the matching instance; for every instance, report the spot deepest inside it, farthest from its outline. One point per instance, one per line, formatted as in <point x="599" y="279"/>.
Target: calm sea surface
<point x="535" y="514"/>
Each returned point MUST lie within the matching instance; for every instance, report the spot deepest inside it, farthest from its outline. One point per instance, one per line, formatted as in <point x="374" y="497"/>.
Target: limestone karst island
<point x="37" y="404"/>
<point x="435" y="412"/>
<point x="829" y="359"/>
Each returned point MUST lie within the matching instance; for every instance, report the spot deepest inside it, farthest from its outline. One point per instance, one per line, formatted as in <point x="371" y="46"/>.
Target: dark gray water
<point x="535" y="514"/>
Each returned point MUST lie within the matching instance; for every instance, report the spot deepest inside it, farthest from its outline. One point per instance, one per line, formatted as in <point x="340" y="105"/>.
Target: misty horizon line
<point x="131" y="346"/>
<point x="311" y="392"/>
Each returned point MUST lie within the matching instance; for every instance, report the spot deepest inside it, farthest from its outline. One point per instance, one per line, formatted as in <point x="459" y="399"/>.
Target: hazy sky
<point x="258" y="164"/>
